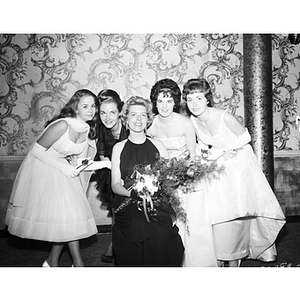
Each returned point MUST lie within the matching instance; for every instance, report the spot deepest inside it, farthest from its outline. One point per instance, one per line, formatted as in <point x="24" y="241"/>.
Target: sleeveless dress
<point x="137" y="242"/>
<point x="175" y="145"/>
<point x="105" y="144"/>
<point x="242" y="205"/>
<point x="198" y="236"/>
<point x="47" y="205"/>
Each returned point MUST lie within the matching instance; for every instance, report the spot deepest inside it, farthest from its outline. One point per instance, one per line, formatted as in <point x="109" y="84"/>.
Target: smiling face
<point x="109" y="114"/>
<point x="165" y="104"/>
<point x="137" y="118"/>
<point x="197" y="103"/>
<point x="86" y="109"/>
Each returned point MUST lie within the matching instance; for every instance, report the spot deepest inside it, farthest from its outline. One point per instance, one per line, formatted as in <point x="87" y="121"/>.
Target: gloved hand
<point x="230" y="151"/>
<point x="43" y="155"/>
<point x="215" y="153"/>
<point x="240" y="141"/>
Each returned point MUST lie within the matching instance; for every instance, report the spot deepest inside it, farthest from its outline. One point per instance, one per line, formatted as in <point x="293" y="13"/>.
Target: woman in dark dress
<point x="137" y="242"/>
<point x="110" y="132"/>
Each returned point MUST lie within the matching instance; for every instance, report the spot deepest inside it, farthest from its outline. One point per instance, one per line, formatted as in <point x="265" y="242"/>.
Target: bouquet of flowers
<point x="161" y="184"/>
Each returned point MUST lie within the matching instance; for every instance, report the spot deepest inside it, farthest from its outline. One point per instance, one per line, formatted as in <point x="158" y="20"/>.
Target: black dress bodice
<point x="106" y="140"/>
<point x="105" y="144"/>
<point x="135" y="154"/>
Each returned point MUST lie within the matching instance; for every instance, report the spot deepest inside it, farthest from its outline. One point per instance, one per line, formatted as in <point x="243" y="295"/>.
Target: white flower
<point x="148" y="182"/>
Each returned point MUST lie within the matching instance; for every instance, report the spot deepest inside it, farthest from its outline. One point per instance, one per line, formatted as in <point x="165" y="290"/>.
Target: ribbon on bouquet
<point x="147" y="200"/>
<point x="144" y="186"/>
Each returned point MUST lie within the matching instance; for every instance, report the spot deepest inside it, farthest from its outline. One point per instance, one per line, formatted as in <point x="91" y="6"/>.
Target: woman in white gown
<point x="244" y="211"/>
<point x="178" y="135"/>
<point x="48" y="200"/>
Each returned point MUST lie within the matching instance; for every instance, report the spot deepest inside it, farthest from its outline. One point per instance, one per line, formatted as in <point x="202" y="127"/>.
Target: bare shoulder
<point x="217" y="112"/>
<point x="228" y="117"/>
<point x="59" y="126"/>
<point x="157" y="143"/>
<point x="184" y="122"/>
<point x="119" y="146"/>
<point x="53" y="132"/>
<point x="181" y="118"/>
<point x="233" y="123"/>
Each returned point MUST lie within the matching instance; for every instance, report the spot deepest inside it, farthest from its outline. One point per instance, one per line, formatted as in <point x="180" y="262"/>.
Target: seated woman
<point x="137" y="242"/>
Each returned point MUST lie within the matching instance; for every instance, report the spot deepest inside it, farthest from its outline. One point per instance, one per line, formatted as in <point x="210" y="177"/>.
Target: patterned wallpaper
<point x="39" y="73"/>
<point x="286" y="93"/>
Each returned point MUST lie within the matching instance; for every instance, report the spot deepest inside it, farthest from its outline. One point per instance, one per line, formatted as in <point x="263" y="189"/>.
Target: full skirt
<point x="47" y="205"/>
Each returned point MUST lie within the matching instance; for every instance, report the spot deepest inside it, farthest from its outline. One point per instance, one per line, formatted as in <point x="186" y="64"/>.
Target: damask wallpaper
<point x="39" y="73"/>
<point x="286" y="93"/>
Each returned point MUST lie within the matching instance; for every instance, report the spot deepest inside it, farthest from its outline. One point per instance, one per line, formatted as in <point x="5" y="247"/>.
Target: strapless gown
<point x="197" y="237"/>
<point x="137" y="242"/>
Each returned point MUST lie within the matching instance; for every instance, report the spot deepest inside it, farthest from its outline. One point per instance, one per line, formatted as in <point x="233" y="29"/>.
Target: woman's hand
<point x="104" y="158"/>
<point x="70" y="171"/>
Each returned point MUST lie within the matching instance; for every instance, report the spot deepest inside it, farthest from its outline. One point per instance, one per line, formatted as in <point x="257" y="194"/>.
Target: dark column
<point x="258" y="102"/>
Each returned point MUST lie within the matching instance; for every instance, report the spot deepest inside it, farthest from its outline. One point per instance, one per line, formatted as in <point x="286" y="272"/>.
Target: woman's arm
<point x="102" y="157"/>
<point x="190" y="136"/>
<point x="160" y="147"/>
<point x="243" y="136"/>
<point x="52" y="134"/>
<point x="233" y="124"/>
<point x="116" y="180"/>
<point x="40" y="147"/>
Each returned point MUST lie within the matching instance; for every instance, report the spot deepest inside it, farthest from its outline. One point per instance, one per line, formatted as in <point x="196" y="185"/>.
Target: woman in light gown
<point x="178" y="135"/>
<point x="48" y="200"/>
<point x="173" y="129"/>
<point x="244" y="211"/>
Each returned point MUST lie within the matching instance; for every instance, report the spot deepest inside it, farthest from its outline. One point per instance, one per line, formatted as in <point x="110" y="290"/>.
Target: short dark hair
<point x="108" y="95"/>
<point x="168" y="87"/>
<point x="199" y="85"/>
